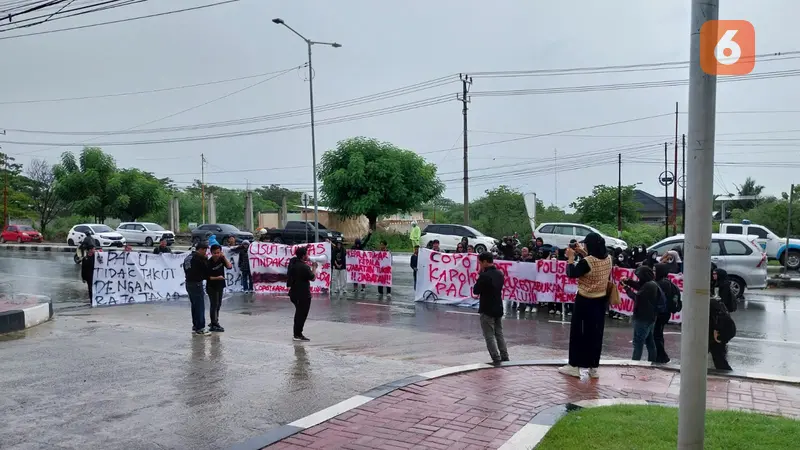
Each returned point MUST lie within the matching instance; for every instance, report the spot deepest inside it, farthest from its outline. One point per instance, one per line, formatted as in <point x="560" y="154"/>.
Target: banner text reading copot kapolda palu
<point x="268" y="264"/>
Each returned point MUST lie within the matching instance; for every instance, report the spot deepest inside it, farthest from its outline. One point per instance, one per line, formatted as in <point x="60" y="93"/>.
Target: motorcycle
<point x="81" y="249"/>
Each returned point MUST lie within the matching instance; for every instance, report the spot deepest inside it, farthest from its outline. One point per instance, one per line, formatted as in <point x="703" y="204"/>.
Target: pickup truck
<point x="773" y="245"/>
<point x="299" y="232"/>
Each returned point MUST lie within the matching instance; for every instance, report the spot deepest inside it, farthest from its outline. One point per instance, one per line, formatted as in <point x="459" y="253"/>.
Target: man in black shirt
<point x="162" y="247"/>
<point x="299" y="277"/>
<point x="490" y="289"/>
<point x="215" y="285"/>
<point x="195" y="267"/>
<point x="87" y="267"/>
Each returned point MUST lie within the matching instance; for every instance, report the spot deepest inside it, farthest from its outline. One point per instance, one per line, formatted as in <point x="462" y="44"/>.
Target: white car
<point x="737" y="254"/>
<point x="144" y="233"/>
<point x="450" y="235"/>
<point x="559" y="235"/>
<point x="103" y="235"/>
<point x="771" y="243"/>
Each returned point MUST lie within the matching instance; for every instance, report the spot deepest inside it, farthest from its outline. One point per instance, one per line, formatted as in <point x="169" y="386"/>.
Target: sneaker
<point x="201" y="332"/>
<point x="570" y="370"/>
<point x="504" y="359"/>
<point x="495" y="362"/>
<point x="593" y="373"/>
<point x="363" y="289"/>
<point x="300" y="338"/>
<point x="216" y="329"/>
<point x="552" y="311"/>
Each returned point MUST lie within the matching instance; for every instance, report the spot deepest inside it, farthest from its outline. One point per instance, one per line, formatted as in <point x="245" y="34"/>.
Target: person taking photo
<point x="298" y="279"/>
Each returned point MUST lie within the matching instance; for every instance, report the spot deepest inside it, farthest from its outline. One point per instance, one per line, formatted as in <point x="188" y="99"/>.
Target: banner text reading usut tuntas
<point x="449" y="278"/>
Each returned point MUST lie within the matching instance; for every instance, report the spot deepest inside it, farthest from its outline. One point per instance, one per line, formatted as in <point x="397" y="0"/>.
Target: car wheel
<point x="70" y="242"/>
<point x="792" y="260"/>
<point x="480" y="248"/>
<point x="737" y="287"/>
<point x="278" y="240"/>
<point x="148" y="242"/>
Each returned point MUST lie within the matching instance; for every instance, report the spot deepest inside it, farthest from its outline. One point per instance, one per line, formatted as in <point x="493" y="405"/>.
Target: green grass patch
<point x="656" y="427"/>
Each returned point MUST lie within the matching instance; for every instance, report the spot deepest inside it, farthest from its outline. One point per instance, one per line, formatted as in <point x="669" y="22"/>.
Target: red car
<point x="20" y="233"/>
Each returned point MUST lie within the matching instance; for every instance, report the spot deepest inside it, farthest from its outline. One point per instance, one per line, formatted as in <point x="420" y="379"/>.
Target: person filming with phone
<point x="299" y="278"/>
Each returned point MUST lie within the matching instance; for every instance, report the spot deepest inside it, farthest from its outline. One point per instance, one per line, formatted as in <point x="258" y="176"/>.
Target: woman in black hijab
<point x="593" y="272"/>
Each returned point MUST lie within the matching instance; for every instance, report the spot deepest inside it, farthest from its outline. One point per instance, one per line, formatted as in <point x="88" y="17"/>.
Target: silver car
<point x="738" y="255"/>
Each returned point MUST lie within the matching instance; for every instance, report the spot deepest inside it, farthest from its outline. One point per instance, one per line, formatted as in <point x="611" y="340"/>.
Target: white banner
<point x="369" y="267"/>
<point x="448" y="278"/>
<point x="268" y="263"/>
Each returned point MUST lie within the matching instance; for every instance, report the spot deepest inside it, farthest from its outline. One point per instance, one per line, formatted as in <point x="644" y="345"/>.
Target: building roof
<point x="652" y="204"/>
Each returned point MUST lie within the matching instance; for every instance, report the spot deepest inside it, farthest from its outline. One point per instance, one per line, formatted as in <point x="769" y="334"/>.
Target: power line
<point x="111" y="22"/>
<point x="64" y="13"/>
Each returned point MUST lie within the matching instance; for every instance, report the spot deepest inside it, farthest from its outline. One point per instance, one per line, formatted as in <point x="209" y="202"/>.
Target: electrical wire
<point x="111" y="22"/>
<point x="63" y="13"/>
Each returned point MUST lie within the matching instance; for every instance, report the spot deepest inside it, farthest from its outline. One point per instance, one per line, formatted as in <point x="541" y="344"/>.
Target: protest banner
<point x="138" y="277"/>
<point x="368" y="267"/>
<point x="268" y="264"/>
<point x="448" y="279"/>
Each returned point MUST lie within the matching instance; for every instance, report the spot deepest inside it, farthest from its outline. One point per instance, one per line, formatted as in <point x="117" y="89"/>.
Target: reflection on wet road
<point x="133" y="377"/>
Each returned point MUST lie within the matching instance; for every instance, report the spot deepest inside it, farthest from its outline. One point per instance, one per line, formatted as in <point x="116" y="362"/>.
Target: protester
<point x="721" y="329"/>
<point x="415" y="234"/>
<point x="244" y="265"/>
<point x="212" y="240"/>
<point x="358" y="244"/>
<point x="299" y="277"/>
<point x="526" y="256"/>
<point x="673" y="294"/>
<point x="506" y="248"/>
<point x="464" y="244"/>
<point x="384" y="248"/>
<point x="647" y="297"/>
<point x="435" y="245"/>
<point x="215" y="285"/>
<point x="195" y="268"/>
<point x="162" y="247"/>
<point x="128" y="248"/>
<point x="460" y="248"/>
<point x="231" y="241"/>
<point x="588" y="319"/>
<point x="414" y="261"/>
<point x="470" y="249"/>
<point x="673" y="261"/>
<point x="723" y="289"/>
<point x="339" y="258"/>
<point x="87" y="267"/>
<point x="489" y="287"/>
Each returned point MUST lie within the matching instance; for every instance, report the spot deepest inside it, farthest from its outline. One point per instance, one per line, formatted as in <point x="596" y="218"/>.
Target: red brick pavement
<point x="483" y="409"/>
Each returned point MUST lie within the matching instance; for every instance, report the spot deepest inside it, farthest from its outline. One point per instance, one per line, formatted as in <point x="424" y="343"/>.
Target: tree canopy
<point x="367" y="177"/>
<point x="601" y="205"/>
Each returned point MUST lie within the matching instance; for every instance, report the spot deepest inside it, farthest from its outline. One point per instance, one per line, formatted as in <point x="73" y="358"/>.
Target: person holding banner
<point x="358" y="244"/>
<point x="339" y="266"/>
<point x="299" y="277"/>
<point x="489" y="287"/>
<point x="414" y="261"/>
<point x="87" y="267"/>
<point x="384" y="248"/>
<point x="215" y="285"/>
<point x="195" y="267"/>
<point x="588" y="317"/>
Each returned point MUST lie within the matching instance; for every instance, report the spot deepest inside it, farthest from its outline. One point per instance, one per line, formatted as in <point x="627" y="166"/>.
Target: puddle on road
<point x="13" y="336"/>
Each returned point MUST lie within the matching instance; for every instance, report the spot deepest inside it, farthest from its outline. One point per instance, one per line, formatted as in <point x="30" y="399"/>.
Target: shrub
<point x="57" y="229"/>
<point x="398" y="242"/>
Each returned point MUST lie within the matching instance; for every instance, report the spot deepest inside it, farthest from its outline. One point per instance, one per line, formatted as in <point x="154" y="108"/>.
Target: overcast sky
<point x="388" y="45"/>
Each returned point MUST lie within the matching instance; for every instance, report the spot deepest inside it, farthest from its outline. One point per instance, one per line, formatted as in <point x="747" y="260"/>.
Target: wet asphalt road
<point x="133" y="377"/>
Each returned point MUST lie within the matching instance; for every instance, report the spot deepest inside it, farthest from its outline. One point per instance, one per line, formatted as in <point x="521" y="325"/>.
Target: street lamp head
<point x="277" y="21"/>
<point x="336" y="45"/>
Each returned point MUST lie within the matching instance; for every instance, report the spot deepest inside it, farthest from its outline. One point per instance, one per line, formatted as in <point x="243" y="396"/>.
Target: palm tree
<point x="748" y="188"/>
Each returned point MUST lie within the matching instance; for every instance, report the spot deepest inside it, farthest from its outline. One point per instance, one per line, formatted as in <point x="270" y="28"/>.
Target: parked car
<point x="145" y="233"/>
<point x="300" y="231"/>
<point x="771" y="243"/>
<point x="221" y="231"/>
<point x="102" y="235"/>
<point x="20" y="233"/>
<point x="449" y="235"/>
<point x="559" y="234"/>
<point x="739" y="255"/>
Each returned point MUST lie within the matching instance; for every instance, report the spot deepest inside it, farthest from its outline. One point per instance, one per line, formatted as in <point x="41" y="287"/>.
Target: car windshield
<point x="153" y="226"/>
<point x="101" y="228"/>
<point x="25" y="228"/>
<point x="473" y="230"/>
<point x="229" y="228"/>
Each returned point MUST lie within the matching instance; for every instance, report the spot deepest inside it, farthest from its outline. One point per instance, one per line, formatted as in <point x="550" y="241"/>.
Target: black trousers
<point x="89" y="285"/>
<point x="658" y="335"/>
<point x="388" y="289"/>
<point x="215" y="303"/>
<point x="586" y="332"/>
<point x="302" y="304"/>
<point x="719" y="354"/>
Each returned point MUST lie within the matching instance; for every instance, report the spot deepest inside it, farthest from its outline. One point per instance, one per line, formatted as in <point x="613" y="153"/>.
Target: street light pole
<point x="697" y="247"/>
<point x="309" y="43"/>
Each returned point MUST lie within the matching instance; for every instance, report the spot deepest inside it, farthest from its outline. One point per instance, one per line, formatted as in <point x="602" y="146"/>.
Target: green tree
<point x="19" y="189"/>
<point x="601" y="205"/>
<point x="44" y="201"/>
<point x="367" y="177"/>
<point x="501" y="212"/>
<point x="140" y="193"/>
<point x="274" y="193"/>
<point x="748" y="188"/>
<point x="88" y="182"/>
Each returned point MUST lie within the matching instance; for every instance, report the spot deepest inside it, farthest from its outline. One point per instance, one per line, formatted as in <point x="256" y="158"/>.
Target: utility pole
<point x="203" y="186"/>
<point x="555" y="171"/>
<point x="697" y="243"/>
<point x="788" y="233"/>
<point x="675" y="183"/>
<point x="466" y="83"/>
<point x="619" y="196"/>
<point x="666" y="194"/>
<point x="683" y="185"/>
<point x="5" y="189"/>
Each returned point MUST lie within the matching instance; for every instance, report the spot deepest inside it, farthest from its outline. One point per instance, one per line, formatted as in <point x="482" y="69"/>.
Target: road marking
<point x="771" y="341"/>
<point x="558" y="321"/>
<point x="672" y="332"/>
<point x="464" y="312"/>
<point x="373" y="304"/>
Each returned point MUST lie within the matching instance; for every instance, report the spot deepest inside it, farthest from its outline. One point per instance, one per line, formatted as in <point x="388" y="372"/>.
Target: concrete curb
<point x="282" y="432"/>
<point x="51" y="248"/>
<point x="26" y="317"/>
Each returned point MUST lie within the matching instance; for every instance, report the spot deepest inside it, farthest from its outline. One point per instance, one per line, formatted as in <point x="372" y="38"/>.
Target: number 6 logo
<point x="727" y="47"/>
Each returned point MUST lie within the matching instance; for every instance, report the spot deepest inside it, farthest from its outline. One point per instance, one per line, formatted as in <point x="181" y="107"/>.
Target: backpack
<point x="674" y="303"/>
<point x="661" y="302"/>
<point x="722" y="322"/>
